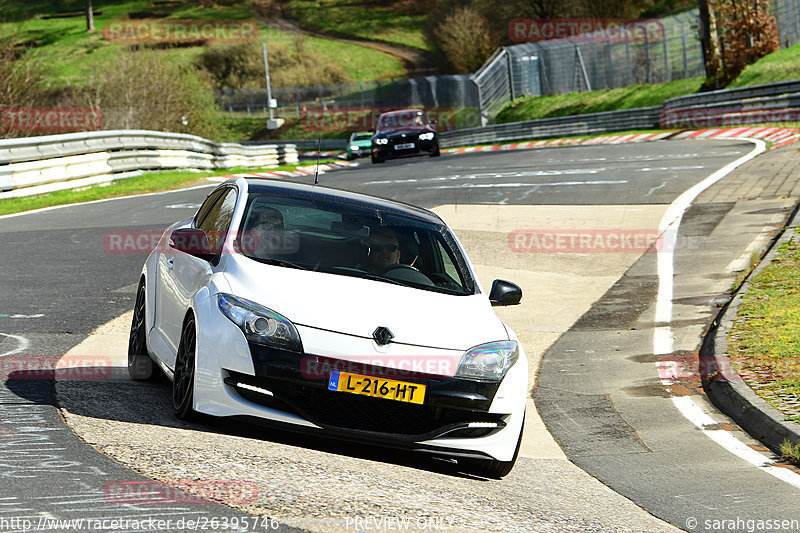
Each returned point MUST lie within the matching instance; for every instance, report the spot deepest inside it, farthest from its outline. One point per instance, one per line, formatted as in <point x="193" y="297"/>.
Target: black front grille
<point x="376" y="416"/>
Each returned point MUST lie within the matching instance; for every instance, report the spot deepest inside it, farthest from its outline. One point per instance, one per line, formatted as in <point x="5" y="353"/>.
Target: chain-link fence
<point x="431" y="92"/>
<point x="649" y="51"/>
<point x="664" y="50"/>
<point x="787" y="14"/>
<point x="637" y="52"/>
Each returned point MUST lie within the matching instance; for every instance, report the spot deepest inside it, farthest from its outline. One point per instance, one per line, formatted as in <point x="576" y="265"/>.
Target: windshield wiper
<point x="278" y="262"/>
<point x="356" y="273"/>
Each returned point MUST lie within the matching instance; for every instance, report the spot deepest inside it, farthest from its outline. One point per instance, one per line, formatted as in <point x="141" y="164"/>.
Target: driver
<point x="384" y="250"/>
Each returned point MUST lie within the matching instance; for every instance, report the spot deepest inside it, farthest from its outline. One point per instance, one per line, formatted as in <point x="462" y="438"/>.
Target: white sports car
<point x="322" y="310"/>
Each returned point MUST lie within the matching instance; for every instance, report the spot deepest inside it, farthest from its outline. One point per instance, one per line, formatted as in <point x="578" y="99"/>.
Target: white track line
<point x="662" y="336"/>
<point x="22" y="344"/>
<point x="64" y="206"/>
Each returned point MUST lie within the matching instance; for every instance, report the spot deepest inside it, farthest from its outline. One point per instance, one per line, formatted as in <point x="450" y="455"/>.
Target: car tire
<point x="376" y="159"/>
<point x="140" y="365"/>
<point x="492" y="468"/>
<point x="183" y="379"/>
<point x="435" y="152"/>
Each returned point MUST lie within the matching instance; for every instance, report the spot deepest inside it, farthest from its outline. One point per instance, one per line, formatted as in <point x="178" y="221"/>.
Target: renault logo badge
<point x="382" y="335"/>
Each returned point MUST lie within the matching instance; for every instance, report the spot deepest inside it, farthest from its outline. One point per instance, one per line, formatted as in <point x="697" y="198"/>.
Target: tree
<point x="89" y="16"/>
<point x="709" y="39"/>
<point x="749" y="33"/>
<point x="735" y="33"/>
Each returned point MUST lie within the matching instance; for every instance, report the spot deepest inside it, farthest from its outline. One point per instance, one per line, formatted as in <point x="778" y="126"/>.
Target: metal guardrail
<point x="105" y="155"/>
<point x="773" y="102"/>
<point x="738" y="94"/>
<point x="306" y="145"/>
<point x="589" y="124"/>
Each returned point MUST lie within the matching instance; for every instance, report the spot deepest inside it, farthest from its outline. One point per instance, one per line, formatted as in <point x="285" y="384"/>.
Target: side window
<point x="449" y="267"/>
<point x="218" y="219"/>
<point x="207" y="205"/>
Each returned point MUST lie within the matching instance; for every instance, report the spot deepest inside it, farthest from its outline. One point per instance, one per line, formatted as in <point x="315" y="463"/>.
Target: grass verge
<point x="790" y="452"/>
<point x="71" y="56"/>
<point x="145" y="183"/>
<point x="764" y="342"/>
<point x="562" y="105"/>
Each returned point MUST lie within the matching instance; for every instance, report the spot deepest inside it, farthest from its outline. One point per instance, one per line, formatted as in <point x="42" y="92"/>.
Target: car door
<point x="182" y="275"/>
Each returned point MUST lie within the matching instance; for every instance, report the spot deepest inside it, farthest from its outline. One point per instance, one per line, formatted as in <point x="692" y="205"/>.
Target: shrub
<point x="241" y="66"/>
<point x="144" y="90"/>
<point x="464" y="39"/>
<point x="21" y="80"/>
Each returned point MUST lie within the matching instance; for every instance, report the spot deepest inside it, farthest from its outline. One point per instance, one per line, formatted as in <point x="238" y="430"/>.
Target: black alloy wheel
<point x="140" y="365"/>
<point x="183" y="379"/>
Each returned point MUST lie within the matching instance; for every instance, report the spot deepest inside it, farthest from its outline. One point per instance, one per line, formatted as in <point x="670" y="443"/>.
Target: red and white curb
<point x="307" y="170"/>
<point x="776" y="136"/>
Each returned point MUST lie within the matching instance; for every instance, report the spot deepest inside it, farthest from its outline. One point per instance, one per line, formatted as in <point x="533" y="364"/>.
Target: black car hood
<point x="413" y="131"/>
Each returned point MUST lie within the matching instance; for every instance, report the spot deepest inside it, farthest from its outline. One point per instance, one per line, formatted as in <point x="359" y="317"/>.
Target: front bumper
<point x="298" y="384"/>
<point x="459" y="418"/>
<point x="363" y="151"/>
<point x="385" y="151"/>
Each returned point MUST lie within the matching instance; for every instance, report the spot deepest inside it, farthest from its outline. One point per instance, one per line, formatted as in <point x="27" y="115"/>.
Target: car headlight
<point x="426" y="136"/>
<point x="260" y="324"/>
<point x="488" y="361"/>
<point x="354" y="147"/>
<point x="381" y="140"/>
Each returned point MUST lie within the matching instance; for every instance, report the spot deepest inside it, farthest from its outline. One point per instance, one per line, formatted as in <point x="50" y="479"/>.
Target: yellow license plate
<point x="390" y="389"/>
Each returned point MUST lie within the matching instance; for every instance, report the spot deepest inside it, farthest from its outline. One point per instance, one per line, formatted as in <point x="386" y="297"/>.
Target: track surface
<point x="60" y="282"/>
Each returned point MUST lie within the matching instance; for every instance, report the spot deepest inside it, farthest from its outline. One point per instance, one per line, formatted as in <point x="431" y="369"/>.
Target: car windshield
<point x="362" y="137"/>
<point x="350" y="239"/>
<point x="402" y="119"/>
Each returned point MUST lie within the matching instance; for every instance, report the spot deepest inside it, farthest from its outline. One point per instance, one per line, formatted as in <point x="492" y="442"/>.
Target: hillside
<point x="56" y="32"/>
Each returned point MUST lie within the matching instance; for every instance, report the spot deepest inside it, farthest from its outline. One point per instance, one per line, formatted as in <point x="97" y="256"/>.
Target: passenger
<point x="267" y="228"/>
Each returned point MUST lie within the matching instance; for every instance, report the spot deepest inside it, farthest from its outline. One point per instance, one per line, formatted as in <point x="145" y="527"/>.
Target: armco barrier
<point x="769" y="103"/>
<point x="589" y="124"/>
<point x="106" y="155"/>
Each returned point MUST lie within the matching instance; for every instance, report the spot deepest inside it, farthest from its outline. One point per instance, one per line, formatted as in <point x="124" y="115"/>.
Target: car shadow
<point x="149" y="402"/>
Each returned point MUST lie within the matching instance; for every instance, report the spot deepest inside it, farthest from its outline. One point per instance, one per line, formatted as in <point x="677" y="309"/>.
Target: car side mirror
<point x="504" y="293"/>
<point x="192" y="241"/>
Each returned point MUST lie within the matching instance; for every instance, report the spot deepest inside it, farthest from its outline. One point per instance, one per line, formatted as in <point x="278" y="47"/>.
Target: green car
<point x="359" y="145"/>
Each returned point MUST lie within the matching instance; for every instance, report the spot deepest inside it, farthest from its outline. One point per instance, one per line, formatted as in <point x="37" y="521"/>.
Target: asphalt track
<point x="61" y="280"/>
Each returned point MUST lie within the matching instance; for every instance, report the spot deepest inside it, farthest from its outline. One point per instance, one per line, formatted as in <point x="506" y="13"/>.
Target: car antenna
<point x="316" y="172"/>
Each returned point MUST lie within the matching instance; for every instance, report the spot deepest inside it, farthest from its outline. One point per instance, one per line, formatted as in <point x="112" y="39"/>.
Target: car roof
<point x="302" y="190"/>
<point x="401" y="111"/>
